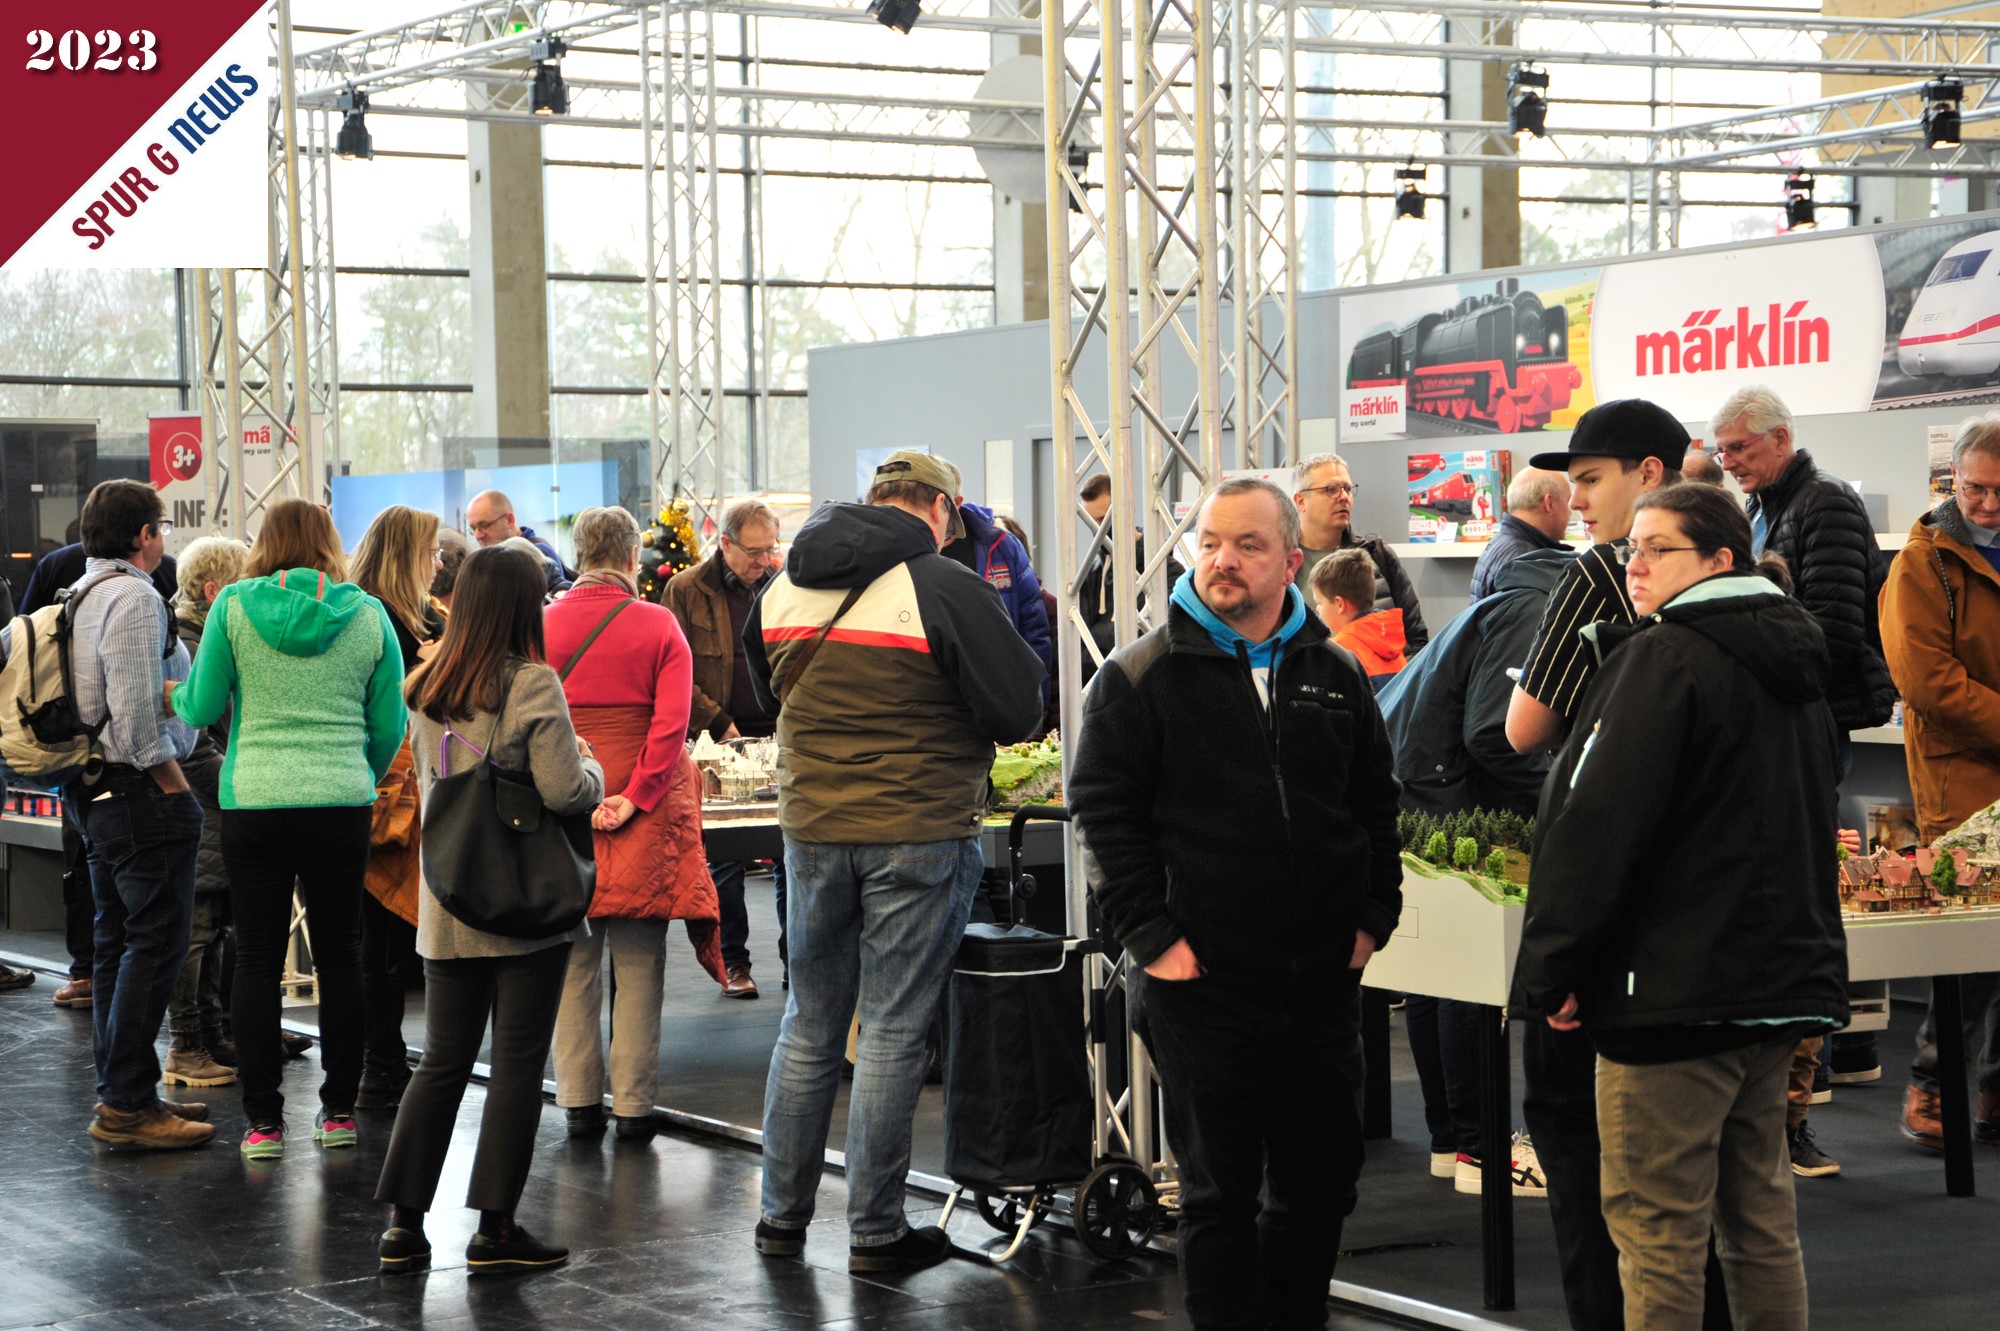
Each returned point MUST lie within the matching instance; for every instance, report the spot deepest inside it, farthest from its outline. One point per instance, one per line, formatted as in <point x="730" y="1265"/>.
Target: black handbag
<point x="494" y="856"/>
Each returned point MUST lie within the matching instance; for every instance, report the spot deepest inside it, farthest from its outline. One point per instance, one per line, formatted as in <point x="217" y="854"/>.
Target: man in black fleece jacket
<point x="1236" y="795"/>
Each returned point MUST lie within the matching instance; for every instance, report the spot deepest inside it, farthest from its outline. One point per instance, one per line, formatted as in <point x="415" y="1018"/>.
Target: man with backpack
<point x="141" y="824"/>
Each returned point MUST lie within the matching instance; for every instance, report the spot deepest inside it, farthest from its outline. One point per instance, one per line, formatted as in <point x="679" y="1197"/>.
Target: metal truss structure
<point x="1261" y="148"/>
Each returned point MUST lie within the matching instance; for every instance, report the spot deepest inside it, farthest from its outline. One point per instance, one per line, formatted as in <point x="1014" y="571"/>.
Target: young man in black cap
<point x="1619" y="451"/>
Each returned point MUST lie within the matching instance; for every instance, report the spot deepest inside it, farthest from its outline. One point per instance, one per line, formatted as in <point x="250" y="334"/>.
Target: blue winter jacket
<point x="1000" y="558"/>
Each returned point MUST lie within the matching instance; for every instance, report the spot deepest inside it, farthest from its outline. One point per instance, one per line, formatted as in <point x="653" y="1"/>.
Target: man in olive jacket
<point x="898" y="671"/>
<point x="1235" y="791"/>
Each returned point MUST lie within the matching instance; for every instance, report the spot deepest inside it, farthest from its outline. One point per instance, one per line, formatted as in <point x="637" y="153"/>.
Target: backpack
<point x="41" y="737"/>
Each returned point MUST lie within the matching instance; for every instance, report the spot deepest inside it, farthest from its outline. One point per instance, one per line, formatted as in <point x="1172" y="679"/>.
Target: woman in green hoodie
<point x="306" y="665"/>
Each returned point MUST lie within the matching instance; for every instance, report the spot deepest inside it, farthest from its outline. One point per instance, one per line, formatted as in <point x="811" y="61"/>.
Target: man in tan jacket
<point x="712" y="601"/>
<point x="1939" y="610"/>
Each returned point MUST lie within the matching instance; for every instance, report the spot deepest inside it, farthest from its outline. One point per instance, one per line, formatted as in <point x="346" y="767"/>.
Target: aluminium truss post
<point x="1262" y="269"/>
<point x="696" y="296"/>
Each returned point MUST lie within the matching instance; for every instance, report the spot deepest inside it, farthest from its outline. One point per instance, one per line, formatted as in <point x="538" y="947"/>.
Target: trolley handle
<point x="1021" y="886"/>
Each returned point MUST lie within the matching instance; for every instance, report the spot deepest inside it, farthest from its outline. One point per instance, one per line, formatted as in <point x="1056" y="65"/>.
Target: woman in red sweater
<point x="627" y="674"/>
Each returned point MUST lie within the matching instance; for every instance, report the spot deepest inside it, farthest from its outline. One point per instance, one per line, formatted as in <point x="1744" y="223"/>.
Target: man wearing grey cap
<point x="893" y="671"/>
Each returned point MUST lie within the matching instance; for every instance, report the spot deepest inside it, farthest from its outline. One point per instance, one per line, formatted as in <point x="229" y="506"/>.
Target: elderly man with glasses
<point x="1325" y="499"/>
<point x="712" y="600"/>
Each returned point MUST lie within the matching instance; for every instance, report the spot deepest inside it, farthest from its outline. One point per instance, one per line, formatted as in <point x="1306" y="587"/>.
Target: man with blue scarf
<point x="1237" y="798"/>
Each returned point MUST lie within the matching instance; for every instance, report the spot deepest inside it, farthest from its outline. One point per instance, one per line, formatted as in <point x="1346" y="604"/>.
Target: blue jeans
<point x="142" y="843"/>
<point x="736" y="916"/>
<point x="872" y="930"/>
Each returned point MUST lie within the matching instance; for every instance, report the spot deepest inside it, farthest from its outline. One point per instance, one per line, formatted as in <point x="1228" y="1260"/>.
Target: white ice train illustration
<point x="1954" y="327"/>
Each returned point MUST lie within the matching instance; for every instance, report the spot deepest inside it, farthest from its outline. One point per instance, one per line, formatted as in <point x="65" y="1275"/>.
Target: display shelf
<point x="1892" y="540"/>
<point x="1878" y="735"/>
<point x="41" y="833"/>
<point x="1452" y="942"/>
<point x="1438" y="549"/>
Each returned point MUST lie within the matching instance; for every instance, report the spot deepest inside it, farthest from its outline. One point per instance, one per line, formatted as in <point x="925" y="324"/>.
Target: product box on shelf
<point x="1458" y="497"/>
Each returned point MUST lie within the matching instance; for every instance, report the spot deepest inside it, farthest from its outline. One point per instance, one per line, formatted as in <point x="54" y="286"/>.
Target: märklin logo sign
<point x="141" y="134"/>
<point x="1686" y="330"/>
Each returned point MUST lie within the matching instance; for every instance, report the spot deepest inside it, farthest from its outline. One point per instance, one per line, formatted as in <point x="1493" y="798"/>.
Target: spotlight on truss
<point x="1527" y="109"/>
<point x="549" y="94"/>
<point x="1410" y="200"/>
<point x="1942" y="99"/>
<point x="1799" y="202"/>
<point x="902" y="15"/>
<point x="353" y="142"/>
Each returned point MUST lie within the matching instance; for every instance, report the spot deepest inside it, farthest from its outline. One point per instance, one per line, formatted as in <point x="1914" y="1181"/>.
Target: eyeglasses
<point x="1737" y="449"/>
<point x="166" y="525"/>
<point x="1979" y="495"/>
<point x="479" y="528"/>
<point x="755" y="552"/>
<point x="1339" y="489"/>
<point x="1648" y="554"/>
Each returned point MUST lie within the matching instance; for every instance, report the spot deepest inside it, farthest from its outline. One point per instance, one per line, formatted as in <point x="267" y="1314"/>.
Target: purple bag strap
<point x="444" y="746"/>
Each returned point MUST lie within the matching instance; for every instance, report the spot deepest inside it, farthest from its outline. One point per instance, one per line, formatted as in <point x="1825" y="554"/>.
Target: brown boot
<point x="151" y="1129"/>
<point x="193" y="1111"/>
<point x="1922" y="1118"/>
<point x="1986" y="1124"/>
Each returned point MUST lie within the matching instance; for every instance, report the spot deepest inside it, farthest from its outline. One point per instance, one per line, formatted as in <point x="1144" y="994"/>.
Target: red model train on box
<point x="1501" y="359"/>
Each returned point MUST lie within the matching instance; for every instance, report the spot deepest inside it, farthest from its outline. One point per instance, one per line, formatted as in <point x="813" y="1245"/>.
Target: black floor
<point x="662" y="1233"/>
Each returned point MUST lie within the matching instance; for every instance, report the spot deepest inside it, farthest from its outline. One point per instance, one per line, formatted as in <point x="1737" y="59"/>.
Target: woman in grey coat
<point x="487" y="693"/>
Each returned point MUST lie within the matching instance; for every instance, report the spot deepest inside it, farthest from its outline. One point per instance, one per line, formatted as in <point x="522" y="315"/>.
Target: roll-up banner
<point x="1842" y="322"/>
<point x="139" y="134"/>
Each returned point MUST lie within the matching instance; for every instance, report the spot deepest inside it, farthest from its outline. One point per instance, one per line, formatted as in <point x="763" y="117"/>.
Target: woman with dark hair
<point x="395" y="563"/>
<point x="305" y="664"/>
<point x="1682" y="908"/>
<point x="486" y="696"/>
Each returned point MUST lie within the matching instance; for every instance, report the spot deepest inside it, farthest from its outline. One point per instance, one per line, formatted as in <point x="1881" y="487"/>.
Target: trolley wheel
<point x="1117" y="1209"/>
<point x="1004" y="1212"/>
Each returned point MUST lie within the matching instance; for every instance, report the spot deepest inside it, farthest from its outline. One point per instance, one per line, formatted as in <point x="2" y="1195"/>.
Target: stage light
<point x="1799" y="202"/>
<point x="1527" y="109"/>
<point x="353" y="142"/>
<point x="902" y="15"/>
<point x="549" y="94"/>
<point x="1410" y="200"/>
<point x="1941" y="102"/>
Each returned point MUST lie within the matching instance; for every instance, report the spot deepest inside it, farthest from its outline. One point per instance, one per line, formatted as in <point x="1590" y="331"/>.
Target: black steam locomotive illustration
<point x="1501" y="359"/>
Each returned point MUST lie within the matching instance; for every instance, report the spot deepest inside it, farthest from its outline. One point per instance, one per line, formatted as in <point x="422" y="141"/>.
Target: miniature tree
<point x="1839" y="851"/>
<point x="1438" y="850"/>
<point x="1944" y="875"/>
<point x="1496" y="863"/>
<point x="1465" y="854"/>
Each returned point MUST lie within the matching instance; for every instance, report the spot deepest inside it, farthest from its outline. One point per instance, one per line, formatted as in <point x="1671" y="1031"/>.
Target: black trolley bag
<point x="1019" y="1121"/>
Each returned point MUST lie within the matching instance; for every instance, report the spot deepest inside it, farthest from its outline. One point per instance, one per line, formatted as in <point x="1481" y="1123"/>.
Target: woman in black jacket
<point x="1682" y="908"/>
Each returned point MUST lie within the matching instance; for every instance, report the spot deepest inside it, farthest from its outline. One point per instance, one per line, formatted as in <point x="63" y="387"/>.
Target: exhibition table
<point x="1455" y="942"/>
<point x="750" y="832"/>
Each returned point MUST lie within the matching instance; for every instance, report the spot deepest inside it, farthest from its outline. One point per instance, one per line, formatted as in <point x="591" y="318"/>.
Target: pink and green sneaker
<point x="332" y="1130"/>
<point x="264" y="1141"/>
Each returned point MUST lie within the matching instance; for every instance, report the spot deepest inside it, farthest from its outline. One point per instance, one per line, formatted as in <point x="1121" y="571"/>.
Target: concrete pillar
<point x="1020" y="229"/>
<point x="1484" y="226"/>
<point x="510" y="280"/>
<point x="1891" y="199"/>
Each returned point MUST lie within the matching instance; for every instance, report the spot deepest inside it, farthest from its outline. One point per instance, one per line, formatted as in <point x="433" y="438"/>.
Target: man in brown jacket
<point x="712" y="601"/>
<point x="1939" y="608"/>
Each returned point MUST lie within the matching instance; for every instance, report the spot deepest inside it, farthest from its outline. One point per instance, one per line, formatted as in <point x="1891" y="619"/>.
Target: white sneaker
<point x="1527" y="1171"/>
<point x="1444" y="1164"/>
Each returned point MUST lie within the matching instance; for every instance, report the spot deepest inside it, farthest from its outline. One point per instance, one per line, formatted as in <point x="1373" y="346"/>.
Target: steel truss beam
<point x="1262" y="154"/>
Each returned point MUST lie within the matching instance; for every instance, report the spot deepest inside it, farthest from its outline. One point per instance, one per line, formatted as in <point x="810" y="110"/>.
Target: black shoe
<point x="913" y="1252"/>
<point x="775" y="1242"/>
<point x="586" y="1121"/>
<point x="403" y="1250"/>
<point x="1853" y="1067"/>
<point x="296" y="1046"/>
<point x="639" y="1129"/>
<point x="1808" y="1161"/>
<point x="514" y="1251"/>
<point x="381" y="1090"/>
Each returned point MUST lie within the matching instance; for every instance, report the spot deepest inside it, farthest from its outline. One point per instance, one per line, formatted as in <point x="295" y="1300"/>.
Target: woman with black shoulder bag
<point x="489" y="729"/>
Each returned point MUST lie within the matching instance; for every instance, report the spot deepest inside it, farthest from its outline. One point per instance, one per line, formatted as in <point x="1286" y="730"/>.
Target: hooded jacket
<point x="1263" y="833"/>
<point x="1818" y="523"/>
<point x="1393" y="588"/>
<point x="310" y="673"/>
<point x="998" y="556"/>
<point x="887" y="736"/>
<point x="1447" y="711"/>
<point x="1516" y="536"/>
<point x="1684" y="849"/>
<point x="1941" y="633"/>
<point x="1376" y="639"/>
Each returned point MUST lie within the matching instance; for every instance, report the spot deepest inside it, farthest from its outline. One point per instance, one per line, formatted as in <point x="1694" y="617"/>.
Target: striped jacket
<point x="888" y="735"/>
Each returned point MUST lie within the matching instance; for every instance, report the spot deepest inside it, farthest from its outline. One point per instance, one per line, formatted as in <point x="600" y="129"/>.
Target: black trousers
<point x="1262" y="1089"/>
<point x="521" y="995"/>
<point x="1559" y="1105"/>
<point x="79" y="906"/>
<point x="388" y="957"/>
<point x="324" y="851"/>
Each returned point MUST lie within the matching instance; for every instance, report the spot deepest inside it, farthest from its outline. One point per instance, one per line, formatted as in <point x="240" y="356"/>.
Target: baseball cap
<point x="1630" y="428"/>
<point x="906" y="464"/>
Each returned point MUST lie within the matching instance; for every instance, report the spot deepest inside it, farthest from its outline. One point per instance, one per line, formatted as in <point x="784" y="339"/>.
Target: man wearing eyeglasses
<point x="1325" y="499"/>
<point x="712" y="600"/>
<point x="489" y="518"/>
<point x="1941" y="632"/>
<point x="1819" y="524"/>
